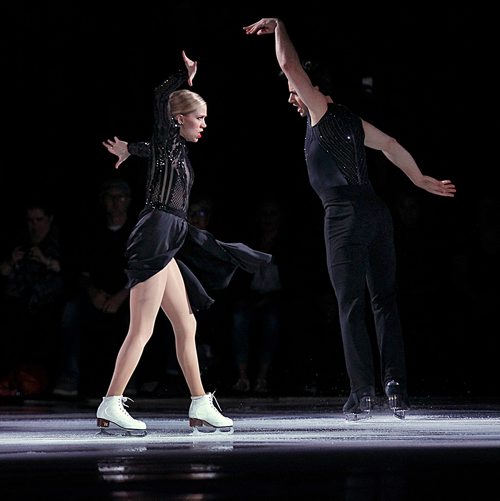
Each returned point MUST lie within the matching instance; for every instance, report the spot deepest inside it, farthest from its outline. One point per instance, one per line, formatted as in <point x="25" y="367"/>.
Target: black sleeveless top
<point x="335" y="152"/>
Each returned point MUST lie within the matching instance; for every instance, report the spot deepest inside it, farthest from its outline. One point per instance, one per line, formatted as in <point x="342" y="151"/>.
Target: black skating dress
<point x="162" y="231"/>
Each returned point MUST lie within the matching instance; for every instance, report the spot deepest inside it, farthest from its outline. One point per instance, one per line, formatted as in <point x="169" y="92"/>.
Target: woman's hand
<point x="117" y="147"/>
<point x="191" y="66"/>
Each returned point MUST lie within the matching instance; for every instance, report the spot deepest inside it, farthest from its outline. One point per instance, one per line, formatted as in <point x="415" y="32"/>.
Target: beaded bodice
<point x="170" y="175"/>
<point x="335" y="151"/>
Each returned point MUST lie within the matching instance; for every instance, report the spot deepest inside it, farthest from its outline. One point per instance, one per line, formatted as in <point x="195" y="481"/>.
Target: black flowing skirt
<point x="204" y="261"/>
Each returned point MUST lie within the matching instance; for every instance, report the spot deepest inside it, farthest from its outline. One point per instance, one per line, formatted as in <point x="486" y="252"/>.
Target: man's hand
<point x="265" y="26"/>
<point x="442" y="188"/>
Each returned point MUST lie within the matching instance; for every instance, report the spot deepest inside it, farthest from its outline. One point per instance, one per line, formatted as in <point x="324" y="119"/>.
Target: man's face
<point x="39" y="224"/>
<point x="115" y="201"/>
<point x="294" y="100"/>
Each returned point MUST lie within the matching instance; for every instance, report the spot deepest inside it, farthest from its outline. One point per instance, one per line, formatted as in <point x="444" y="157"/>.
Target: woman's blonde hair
<point x="184" y="101"/>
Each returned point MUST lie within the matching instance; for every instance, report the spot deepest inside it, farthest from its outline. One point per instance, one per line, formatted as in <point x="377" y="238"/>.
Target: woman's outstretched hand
<point x="117" y="147"/>
<point x="191" y="66"/>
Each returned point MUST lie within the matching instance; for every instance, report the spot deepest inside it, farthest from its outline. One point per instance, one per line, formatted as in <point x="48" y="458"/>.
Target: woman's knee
<point x="185" y="326"/>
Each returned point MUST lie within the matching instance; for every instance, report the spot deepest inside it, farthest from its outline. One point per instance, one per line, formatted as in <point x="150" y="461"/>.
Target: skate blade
<point x="351" y="416"/>
<point x="120" y="432"/>
<point x="399" y="413"/>
<point x="212" y="430"/>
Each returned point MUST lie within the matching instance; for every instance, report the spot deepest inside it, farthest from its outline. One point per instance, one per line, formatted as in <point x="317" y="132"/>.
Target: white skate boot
<point x="202" y="412"/>
<point x="112" y="410"/>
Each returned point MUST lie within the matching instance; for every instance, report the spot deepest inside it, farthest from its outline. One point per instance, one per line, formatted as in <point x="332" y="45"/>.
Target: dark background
<point x="77" y="74"/>
<point x="81" y="74"/>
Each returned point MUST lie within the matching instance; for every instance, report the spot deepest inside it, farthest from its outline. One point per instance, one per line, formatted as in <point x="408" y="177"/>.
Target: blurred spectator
<point x="96" y="315"/>
<point x="428" y="249"/>
<point x="258" y="303"/>
<point x="480" y="278"/>
<point x="32" y="292"/>
<point x="200" y="213"/>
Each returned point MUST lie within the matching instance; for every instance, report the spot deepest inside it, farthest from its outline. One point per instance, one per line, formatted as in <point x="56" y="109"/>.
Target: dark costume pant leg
<point x="347" y="260"/>
<point x="381" y="279"/>
<point x="360" y="252"/>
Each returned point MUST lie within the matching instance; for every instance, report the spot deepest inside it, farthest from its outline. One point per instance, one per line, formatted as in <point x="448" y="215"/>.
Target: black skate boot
<point x="357" y="408"/>
<point x="397" y="397"/>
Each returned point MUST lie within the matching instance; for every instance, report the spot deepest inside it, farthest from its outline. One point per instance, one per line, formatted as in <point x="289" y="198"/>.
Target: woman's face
<point x="192" y="124"/>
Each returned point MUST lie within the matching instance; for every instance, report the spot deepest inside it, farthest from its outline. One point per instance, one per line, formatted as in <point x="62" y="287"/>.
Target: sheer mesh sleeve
<point x="140" y="149"/>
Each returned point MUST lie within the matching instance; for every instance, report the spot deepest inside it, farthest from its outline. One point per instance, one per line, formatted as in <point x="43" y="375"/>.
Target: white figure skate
<point x="112" y="410"/>
<point x="205" y="417"/>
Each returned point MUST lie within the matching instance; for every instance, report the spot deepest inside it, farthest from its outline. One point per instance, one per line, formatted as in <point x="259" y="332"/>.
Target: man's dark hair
<point x="319" y="75"/>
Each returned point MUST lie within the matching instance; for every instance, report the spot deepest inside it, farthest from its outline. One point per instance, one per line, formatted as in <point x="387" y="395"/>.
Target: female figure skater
<point x="169" y="259"/>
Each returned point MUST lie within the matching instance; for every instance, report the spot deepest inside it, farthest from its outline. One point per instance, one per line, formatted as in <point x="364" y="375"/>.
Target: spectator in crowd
<point x="32" y="290"/>
<point x="95" y="316"/>
<point x="258" y="300"/>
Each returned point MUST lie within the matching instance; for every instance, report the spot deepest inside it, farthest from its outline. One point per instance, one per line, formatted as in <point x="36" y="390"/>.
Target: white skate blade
<point x="121" y="432"/>
<point x="361" y="416"/>
<point x="399" y="413"/>
<point x="207" y="429"/>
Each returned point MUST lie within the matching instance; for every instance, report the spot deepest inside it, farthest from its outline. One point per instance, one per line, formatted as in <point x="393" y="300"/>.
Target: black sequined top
<point x="335" y="152"/>
<point x="170" y="175"/>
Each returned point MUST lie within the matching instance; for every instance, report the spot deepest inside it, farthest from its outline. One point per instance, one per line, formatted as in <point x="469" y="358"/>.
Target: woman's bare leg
<point x="176" y="306"/>
<point x="145" y="300"/>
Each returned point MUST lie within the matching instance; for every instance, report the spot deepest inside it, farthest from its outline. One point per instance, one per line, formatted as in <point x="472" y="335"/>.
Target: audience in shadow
<point x="477" y="298"/>
<point x="96" y="312"/>
<point x="63" y="314"/>
<point x="32" y="283"/>
<point x="258" y="302"/>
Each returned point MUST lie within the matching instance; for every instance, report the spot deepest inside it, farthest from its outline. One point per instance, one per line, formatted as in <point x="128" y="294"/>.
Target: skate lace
<point x="123" y="402"/>
<point x="214" y="400"/>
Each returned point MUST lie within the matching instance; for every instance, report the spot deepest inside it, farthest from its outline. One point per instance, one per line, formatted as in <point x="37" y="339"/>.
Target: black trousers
<point x="360" y="253"/>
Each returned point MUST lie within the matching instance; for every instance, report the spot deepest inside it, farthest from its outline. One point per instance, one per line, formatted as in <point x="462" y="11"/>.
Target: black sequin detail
<point x="335" y="151"/>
